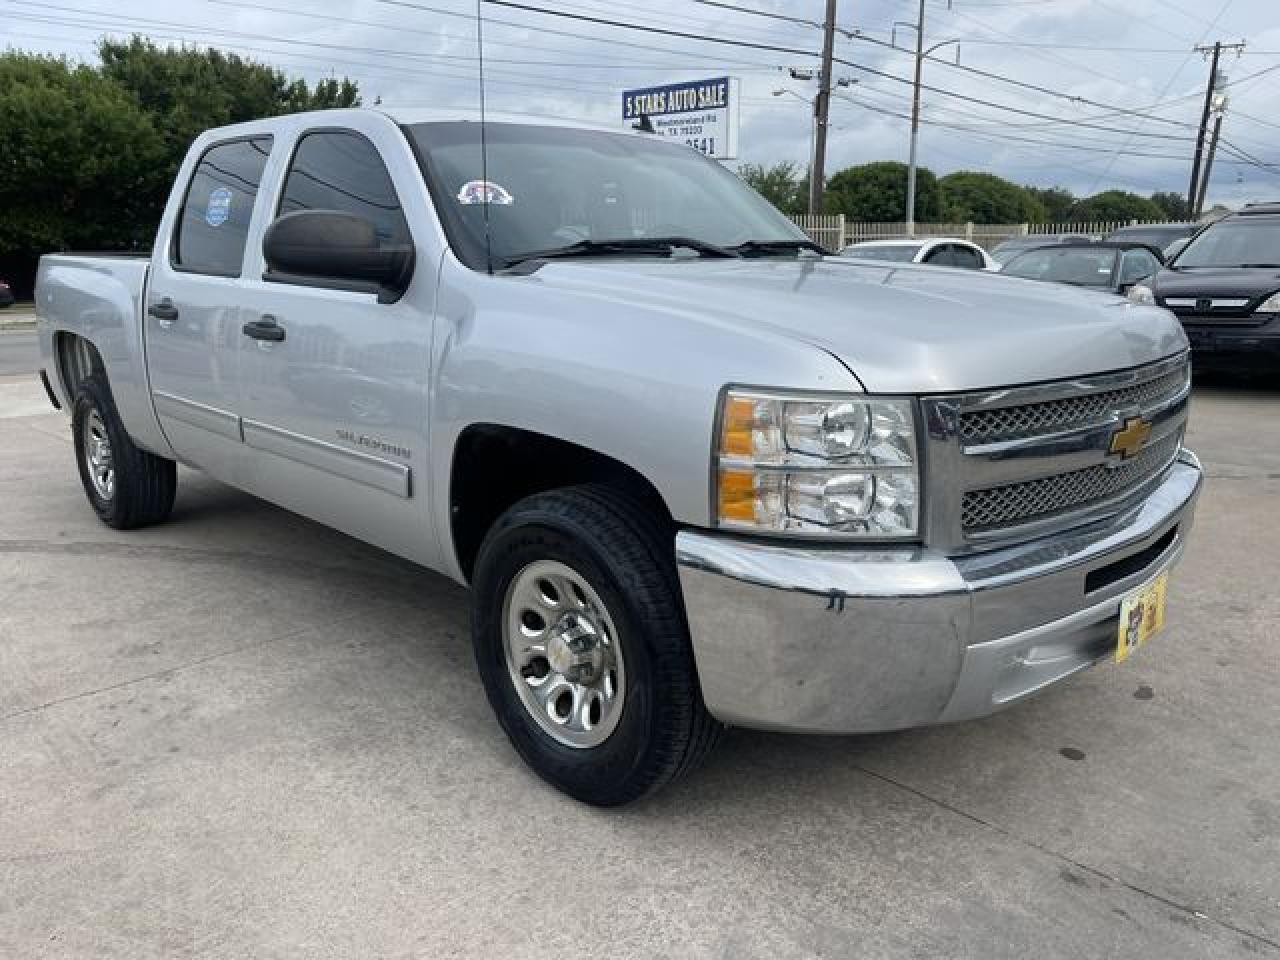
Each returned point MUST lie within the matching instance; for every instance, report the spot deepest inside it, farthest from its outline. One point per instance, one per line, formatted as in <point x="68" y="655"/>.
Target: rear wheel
<point x="581" y="643"/>
<point x="126" y="487"/>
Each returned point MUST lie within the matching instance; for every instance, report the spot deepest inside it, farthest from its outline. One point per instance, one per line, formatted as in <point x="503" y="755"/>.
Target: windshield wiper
<point x="764" y="248"/>
<point x="622" y="246"/>
<point x="1262" y="266"/>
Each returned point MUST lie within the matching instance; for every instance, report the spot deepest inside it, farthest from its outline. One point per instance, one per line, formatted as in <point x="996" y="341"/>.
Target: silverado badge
<point x="1130" y="438"/>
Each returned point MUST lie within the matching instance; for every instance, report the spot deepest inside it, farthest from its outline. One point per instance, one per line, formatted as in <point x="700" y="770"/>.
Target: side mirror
<point x="338" y="250"/>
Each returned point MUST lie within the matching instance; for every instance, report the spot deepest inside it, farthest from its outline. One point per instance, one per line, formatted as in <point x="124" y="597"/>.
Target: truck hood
<point x="899" y="328"/>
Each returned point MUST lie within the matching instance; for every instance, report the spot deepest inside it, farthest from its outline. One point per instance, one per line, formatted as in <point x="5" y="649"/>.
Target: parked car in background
<point x="1016" y="245"/>
<point x="6" y="295"/>
<point x="1225" y="288"/>
<point x="1175" y="248"/>
<point x="1111" y="267"/>
<point x="936" y="251"/>
<point x="698" y="475"/>
<point x="1159" y="235"/>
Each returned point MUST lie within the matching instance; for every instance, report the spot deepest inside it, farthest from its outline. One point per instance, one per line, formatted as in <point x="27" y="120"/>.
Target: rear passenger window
<point x="218" y="207"/>
<point x="339" y="170"/>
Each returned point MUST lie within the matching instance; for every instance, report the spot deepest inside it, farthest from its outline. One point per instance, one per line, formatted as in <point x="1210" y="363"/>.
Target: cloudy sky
<point x="1121" y="86"/>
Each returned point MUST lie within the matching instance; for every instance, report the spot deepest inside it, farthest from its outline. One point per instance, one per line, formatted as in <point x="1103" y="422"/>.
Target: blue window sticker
<point x="218" y="211"/>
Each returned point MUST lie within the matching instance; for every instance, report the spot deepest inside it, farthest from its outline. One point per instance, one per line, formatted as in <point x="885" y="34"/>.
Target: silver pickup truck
<point x="695" y="472"/>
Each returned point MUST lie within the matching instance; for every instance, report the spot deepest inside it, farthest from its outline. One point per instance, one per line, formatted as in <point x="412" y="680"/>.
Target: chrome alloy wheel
<point x="97" y="450"/>
<point x="562" y="653"/>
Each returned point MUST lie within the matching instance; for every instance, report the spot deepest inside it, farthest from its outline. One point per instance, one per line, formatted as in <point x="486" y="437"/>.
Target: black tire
<point x="144" y="484"/>
<point x="616" y="544"/>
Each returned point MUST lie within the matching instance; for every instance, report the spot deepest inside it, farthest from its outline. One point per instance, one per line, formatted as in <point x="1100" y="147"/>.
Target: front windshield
<point x="1081" y="266"/>
<point x="1234" y="243"/>
<point x="898" y="252"/>
<point x="550" y="187"/>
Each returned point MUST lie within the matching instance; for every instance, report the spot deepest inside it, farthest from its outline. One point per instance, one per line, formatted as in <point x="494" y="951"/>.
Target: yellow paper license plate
<point x="1141" y="617"/>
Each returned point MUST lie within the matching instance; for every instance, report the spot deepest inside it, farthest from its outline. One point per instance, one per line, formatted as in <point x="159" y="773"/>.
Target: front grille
<point x="1008" y="423"/>
<point x="1046" y="496"/>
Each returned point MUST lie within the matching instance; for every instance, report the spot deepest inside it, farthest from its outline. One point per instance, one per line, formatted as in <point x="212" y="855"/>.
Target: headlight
<point x="1141" y="293"/>
<point x="819" y="466"/>
<point x="1270" y="305"/>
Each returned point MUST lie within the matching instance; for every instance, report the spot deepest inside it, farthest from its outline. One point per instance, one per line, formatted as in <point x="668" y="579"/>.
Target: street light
<point x="813" y="104"/>
<point x="921" y="53"/>
<point x="785" y="92"/>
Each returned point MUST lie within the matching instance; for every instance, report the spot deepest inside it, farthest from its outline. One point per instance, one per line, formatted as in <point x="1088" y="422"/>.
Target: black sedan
<point x="6" y="295"/>
<point x="1004" y="252"/>
<point x="1225" y="288"/>
<point x="1109" y="267"/>
<point x="1162" y="235"/>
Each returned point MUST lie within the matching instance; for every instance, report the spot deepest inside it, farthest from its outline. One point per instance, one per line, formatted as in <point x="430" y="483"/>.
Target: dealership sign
<point x="702" y="114"/>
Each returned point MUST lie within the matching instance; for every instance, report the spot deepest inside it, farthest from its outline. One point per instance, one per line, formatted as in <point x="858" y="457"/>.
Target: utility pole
<point x="1208" y="167"/>
<point x="915" y="126"/>
<point x="1215" y="52"/>
<point x="821" y="110"/>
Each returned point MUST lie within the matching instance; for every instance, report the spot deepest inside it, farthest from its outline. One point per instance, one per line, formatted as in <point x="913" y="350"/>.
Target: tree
<point x="88" y="155"/>
<point x="186" y="91"/>
<point x="779" y="184"/>
<point x="878" y="192"/>
<point x="1113" y="205"/>
<point x="985" y="198"/>
<point x="1173" y="204"/>
<point x="78" y="159"/>
<point x="1056" y="201"/>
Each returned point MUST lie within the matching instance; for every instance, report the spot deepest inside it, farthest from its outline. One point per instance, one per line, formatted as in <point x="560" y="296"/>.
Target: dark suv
<point x="1225" y="288"/>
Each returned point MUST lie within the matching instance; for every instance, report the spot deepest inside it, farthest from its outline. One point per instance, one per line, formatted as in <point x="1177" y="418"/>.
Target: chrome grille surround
<point x="1004" y="423"/>
<point x="1005" y="465"/>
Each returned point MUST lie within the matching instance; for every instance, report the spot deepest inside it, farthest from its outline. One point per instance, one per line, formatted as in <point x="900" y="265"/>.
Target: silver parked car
<point x="694" y="472"/>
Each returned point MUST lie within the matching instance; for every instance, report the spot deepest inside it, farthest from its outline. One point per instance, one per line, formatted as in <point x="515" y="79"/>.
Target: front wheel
<point x="581" y="643"/>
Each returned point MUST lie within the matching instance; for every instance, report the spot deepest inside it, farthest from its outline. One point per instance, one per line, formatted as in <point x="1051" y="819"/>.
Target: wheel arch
<point x="77" y="358"/>
<point x="495" y="466"/>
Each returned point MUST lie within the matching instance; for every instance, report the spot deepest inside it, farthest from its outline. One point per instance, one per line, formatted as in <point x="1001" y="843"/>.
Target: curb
<point x="21" y="317"/>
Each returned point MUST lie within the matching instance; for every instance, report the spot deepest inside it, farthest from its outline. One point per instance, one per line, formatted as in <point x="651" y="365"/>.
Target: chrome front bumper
<point x="850" y="640"/>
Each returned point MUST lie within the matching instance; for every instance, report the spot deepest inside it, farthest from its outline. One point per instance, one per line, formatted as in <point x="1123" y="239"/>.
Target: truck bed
<point x="99" y="297"/>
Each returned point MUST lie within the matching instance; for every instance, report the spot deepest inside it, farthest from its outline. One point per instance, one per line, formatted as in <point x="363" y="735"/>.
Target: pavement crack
<point x="167" y="671"/>
<point x="390" y="575"/>
<point x="1048" y="851"/>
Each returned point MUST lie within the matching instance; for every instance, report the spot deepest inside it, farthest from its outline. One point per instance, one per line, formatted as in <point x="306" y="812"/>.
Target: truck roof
<point x="405" y="115"/>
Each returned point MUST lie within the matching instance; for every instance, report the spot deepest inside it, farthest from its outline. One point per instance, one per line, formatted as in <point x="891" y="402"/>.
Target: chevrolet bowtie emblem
<point x="1130" y="438"/>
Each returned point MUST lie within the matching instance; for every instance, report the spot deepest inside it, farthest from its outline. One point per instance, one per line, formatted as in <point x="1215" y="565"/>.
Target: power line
<point x="1066" y="145"/>
<point x="759" y="13"/>
<point x="987" y="74"/>
<point x="1173" y="77"/>
<point x="708" y="38"/>
<point x="663" y="31"/>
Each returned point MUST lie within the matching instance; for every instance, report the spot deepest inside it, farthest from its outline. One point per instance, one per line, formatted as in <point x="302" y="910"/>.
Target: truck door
<point x="192" y="317"/>
<point x="334" y="382"/>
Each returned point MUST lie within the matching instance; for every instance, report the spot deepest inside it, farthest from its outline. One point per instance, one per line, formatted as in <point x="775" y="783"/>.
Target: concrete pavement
<point x="243" y="735"/>
<point x="19" y="352"/>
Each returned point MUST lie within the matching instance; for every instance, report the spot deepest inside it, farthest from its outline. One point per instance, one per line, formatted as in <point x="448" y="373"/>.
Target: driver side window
<point x="341" y="170"/>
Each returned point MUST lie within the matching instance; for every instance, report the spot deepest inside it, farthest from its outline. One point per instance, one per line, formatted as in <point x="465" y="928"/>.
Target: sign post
<point x="702" y="114"/>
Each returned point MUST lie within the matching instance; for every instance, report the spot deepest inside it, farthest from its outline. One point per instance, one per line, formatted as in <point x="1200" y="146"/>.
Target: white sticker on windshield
<point x="485" y="191"/>
<point x="218" y="211"/>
